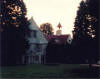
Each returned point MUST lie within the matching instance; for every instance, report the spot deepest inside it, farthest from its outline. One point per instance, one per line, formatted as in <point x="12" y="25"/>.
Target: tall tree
<point x="94" y="13"/>
<point x="14" y="26"/>
<point x="46" y="28"/>
<point x="86" y="29"/>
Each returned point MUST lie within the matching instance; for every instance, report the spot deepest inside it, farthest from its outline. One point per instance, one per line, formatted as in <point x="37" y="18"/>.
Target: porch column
<point x="39" y="59"/>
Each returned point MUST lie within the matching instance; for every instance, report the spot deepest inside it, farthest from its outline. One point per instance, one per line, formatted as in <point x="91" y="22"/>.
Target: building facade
<point x="37" y="45"/>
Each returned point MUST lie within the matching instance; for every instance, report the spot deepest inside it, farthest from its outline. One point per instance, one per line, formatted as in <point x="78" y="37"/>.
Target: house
<point x="37" y="45"/>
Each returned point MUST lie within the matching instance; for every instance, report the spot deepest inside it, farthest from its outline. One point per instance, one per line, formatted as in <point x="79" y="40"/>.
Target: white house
<point x="37" y="45"/>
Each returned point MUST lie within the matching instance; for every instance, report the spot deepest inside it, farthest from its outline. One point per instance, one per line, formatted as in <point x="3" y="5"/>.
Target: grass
<point x="51" y="71"/>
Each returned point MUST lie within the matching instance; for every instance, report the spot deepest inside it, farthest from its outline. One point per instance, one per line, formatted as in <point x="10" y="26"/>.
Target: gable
<point x="40" y="38"/>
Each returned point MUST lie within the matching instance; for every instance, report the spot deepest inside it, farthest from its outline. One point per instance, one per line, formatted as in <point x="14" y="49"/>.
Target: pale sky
<point x="54" y="11"/>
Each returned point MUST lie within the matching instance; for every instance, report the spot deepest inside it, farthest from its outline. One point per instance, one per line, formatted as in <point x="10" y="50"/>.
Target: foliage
<point x="14" y="26"/>
<point x="46" y="28"/>
<point x="58" y="53"/>
<point x="85" y="34"/>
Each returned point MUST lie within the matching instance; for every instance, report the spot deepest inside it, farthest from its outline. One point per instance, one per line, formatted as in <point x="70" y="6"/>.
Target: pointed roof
<point x="59" y="25"/>
<point x="33" y="25"/>
<point x="40" y="38"/>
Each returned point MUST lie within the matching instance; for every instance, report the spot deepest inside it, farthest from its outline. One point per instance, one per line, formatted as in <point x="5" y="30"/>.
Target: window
<point x="33" y="33"/>
<point x="38" y="47"/>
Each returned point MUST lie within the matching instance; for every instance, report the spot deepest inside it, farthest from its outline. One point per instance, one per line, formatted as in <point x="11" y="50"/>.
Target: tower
<point x="59" y="31"/>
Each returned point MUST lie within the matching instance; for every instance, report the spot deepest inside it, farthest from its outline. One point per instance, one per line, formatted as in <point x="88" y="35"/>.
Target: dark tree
<point x="94" y="13"/>
<point x="57" y="53"/>
<point x="46" y="28"/>
<point x="85" y="34"/>
<point x="14" y="26"/>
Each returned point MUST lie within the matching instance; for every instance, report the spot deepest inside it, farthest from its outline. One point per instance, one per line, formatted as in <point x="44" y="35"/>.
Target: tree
<point x="85" y="34"/>
<point x="14" y="26"/>
<point x="54" y="52"/>
<point x="58" y="53"/>
<point x="94" y="12"/>
<point x="46" y="28"/>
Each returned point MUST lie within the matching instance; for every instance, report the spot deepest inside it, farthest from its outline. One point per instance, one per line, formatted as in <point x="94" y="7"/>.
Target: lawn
<point x="49" y="71"/>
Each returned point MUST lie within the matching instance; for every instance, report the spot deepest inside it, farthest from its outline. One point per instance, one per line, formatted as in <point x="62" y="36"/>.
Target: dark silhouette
<point x="85" y="34"/>
<point x="13" y="28"/>
<point x="57" y="53"/>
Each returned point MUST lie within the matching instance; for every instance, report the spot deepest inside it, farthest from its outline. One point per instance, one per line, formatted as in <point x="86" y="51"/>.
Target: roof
<point x="61" y="39"/>
<point x="33" y="25"/>
<point x="40" y="38"/>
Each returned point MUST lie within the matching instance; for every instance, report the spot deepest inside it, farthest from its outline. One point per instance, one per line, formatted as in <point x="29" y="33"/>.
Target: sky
<point x="53" y="11"/>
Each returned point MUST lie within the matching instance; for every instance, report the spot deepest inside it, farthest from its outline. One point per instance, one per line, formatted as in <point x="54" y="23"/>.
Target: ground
<point x="50" y="71"/>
